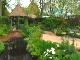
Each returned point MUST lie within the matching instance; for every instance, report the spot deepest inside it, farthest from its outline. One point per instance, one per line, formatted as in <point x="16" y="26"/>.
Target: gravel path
<point x="50" y="36"/>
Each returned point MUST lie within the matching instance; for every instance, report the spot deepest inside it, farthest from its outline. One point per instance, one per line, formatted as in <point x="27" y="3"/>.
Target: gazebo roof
<point x="18" y="11"/>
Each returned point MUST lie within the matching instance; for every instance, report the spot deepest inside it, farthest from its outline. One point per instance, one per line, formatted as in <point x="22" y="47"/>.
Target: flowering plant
<point x="62" y="51"/>
<point x="49" y="53"/>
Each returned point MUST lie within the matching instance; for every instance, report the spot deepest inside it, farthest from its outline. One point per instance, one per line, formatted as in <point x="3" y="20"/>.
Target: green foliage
<point x="49" y="24"/>
<point x="59" y="32"/>
<point x="52" y="23"/>
<point x="33" y="9"/>
<point x="35" y="32"/>
<point x="4" y="25"/>
<point x="38" y="46"/>
<point x="2" y="46"/>
<point x="31" y="31"/>
<point x="78" y="27"/>
<point x="5" y="5"/>
<point x="75" y="56"/>
<point x="4" y="20"/>
<point x="25" y="29"/>
<point x="63" y="51"/>
<point x="4" y="30"/>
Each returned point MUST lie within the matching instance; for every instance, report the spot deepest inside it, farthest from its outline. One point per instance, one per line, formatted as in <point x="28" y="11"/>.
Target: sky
<point x="24" y="3"/>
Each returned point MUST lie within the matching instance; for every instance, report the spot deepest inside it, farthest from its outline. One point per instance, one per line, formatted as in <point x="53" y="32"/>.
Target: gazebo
<point x="15" y="15"/>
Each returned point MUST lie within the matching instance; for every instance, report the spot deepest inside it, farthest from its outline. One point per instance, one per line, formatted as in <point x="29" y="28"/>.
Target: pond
<point x="15" y="49"/>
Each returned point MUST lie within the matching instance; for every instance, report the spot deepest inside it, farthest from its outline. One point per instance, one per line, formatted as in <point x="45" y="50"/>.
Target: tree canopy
<point x="33" y="9"/>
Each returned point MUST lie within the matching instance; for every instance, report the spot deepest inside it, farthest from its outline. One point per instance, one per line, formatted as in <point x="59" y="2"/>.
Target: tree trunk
<point x="0" y="8"/>
<point x="41" y="3"/>
<point x="50" y="8"/>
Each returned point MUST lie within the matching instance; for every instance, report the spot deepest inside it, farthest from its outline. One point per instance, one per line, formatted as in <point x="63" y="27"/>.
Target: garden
<point x="37" y="48"/>
<point x="47" y="50"/>
<point x="22" y="30"/>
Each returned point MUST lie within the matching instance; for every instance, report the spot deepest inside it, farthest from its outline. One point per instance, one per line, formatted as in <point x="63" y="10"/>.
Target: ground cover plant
<point x="4" y="30"/>
<point x="52" y="51"/>
<point x="2" y="46"/>
<point x="4" y="26"/>
<point x="46" y="50"/>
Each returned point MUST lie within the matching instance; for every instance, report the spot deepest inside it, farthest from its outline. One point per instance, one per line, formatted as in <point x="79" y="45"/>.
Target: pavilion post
<point x="18" y="22"/>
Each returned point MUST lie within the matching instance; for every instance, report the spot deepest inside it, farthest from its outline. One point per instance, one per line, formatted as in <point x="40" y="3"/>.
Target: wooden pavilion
<point x="15" y="15"/>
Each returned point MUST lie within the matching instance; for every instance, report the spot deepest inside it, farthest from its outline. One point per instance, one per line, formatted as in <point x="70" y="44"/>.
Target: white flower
<point x="52" y="49"/>
<point x="53" y="52"/>
<point x="46" y="54"/>
<point x="47" y="50"/>
<point x="50" y="57"/>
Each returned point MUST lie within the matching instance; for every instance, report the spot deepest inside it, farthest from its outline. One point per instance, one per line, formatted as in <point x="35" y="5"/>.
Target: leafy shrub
<point x="2" y="46"/>
<point x="63" y="51"/>
<point x="59" y="32"/>
<point x="52" y="22"/>
<point x="75" y="56"/>
<point x="25" y="29"/>
<point x="48" y="24"/>
<point x="50" y="51"/>
<point x="4" y="20"/>
<point x="4" y="30"/>
<point x="78" y="27"/>
<point x="38" y="46"/>
<point x="33" y="31"/>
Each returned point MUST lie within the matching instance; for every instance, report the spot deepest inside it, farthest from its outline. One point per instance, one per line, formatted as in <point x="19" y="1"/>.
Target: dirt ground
<point x="50" y="36"/>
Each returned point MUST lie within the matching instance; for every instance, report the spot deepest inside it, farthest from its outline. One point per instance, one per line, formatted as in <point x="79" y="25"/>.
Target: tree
<point x="57" y="6"/>
<point x="61" y="6"/>
<point x="40" y="4"/>
<point x="5" y="5"/>
<point x="0" y="8"/>
<point x="33" y="9"/>
<point x="77" y="11"/>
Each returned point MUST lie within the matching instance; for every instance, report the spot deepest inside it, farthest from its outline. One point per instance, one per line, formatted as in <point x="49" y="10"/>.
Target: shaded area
<point x="15" y="48"/>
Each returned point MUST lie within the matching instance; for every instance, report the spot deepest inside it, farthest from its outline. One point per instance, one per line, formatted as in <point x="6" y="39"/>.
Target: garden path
<point x="50" y="36"/>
